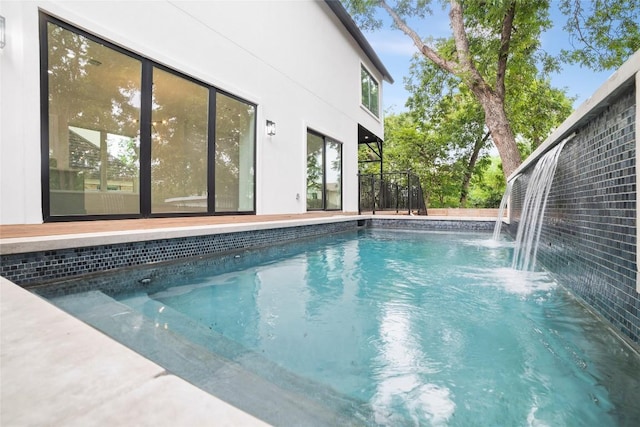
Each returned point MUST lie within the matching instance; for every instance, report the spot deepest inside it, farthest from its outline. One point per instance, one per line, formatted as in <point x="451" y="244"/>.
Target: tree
<point x="535" y="110"/>
<point x="504" y="31"/>
<point x="486" y="191"/>
<point x="439" y="101"/>
<point x="603" y="33"/>
<point x="429" y="151"/>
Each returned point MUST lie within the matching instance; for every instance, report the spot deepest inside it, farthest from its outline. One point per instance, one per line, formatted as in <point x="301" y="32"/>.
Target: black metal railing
<point x="392" y="191"/>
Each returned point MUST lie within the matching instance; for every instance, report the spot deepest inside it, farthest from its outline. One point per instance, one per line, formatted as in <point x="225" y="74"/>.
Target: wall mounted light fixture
<point x="271" y="128"/>
<point x="3" y="37"/>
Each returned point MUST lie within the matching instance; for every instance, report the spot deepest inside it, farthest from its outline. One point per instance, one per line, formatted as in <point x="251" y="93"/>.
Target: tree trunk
<point x="472" y="164"/>
<point x="501" y="133"/>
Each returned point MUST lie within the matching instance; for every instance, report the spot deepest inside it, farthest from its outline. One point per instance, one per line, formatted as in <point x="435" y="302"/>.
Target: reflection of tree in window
<point x="315" y="171"/>
<point x="234" y="163"/>
<point x="334" y="175"/>
<point x="94" y="107"/>
<point x="179" y="126"/>
<point x="369" y="91"/>
<point x="94" y="126"/>
<point x="324" y="173"/>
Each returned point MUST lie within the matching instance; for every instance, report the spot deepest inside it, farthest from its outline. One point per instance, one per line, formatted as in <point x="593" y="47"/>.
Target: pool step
<point x="256" y="363"/>
<point x="215" y="363"/>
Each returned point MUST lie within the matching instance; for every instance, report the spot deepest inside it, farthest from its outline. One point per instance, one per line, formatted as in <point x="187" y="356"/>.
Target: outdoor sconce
<point x="271" y="128"/>
<point x="3" y="39"/>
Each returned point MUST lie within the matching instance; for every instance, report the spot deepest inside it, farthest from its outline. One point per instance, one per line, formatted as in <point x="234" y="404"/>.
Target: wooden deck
<point x="79" y="227"/>
<point x="105" y="226"/>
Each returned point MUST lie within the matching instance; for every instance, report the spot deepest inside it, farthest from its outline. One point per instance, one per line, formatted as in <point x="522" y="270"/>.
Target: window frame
<point x="146" y="81"/>
<point x="326" y="140"/>
<point x="364" y="71"/>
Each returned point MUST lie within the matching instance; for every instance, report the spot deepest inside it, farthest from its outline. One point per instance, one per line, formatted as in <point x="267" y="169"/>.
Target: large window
<point x="324" y="173"/>
<point x="370" y="92"/>
<point x="124" y="136"/>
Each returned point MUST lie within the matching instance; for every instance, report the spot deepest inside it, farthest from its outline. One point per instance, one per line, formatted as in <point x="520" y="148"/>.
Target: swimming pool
<point x="376" y="327"/>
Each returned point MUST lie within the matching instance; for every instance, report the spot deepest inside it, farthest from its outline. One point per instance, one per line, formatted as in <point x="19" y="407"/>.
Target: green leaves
<point x="491" y="75"/>
<point x="603" y="33"/>
<point x="363" y="12"/>
<point x="445" y="125"/>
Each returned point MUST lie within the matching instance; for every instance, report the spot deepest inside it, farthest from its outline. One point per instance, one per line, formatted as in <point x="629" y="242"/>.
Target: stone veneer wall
<point x="588" y="239"/>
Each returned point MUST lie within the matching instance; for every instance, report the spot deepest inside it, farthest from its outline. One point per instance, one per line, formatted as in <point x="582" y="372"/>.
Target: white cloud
<point x="392" y="43"/>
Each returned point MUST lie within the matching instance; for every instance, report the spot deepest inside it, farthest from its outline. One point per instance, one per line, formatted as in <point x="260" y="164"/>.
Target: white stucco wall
<point x="294" y="59"/>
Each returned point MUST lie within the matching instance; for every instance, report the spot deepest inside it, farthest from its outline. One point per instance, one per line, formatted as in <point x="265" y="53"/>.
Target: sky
<point x="395" y="49"/>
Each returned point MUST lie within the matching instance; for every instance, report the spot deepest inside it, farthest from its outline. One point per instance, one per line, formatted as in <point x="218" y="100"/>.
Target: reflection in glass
<point x="94" y="110"/>
<point x="334" y="175"/>
<point x="179" y="124"/>
<point x="315" y="171"/>
<point x="234" y="167"/>
<point x="94" y="136"/>
<point x="324" y="173"/>
<point x="369" y="91"/>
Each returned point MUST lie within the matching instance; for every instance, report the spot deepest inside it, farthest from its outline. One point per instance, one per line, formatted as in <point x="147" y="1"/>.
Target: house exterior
<point x="162" y="108"/>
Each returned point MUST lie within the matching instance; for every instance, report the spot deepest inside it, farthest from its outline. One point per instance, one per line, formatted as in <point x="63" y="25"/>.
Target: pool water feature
<point x="381" y="327"/>
<point x="535" y="201"/>
<point x="501" y="210"/>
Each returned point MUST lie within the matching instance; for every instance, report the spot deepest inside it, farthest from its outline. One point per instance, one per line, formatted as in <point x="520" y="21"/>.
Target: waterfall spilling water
<point x="503" y="206"/>
<point x="535" y="201"/>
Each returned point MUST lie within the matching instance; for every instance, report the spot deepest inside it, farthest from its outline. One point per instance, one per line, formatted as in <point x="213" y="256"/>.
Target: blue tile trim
<point x="432" y="224"/>
<point x="40" y="267"/>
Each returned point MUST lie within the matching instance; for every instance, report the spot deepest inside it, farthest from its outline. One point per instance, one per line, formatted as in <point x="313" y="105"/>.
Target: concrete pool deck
<point x="57" y="370"/>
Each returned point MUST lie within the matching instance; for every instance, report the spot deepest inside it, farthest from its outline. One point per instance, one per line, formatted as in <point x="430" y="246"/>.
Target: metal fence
<point x="392" y="191"/>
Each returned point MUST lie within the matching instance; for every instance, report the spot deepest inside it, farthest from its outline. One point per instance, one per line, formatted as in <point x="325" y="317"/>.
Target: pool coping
<point x="58" y="370"/>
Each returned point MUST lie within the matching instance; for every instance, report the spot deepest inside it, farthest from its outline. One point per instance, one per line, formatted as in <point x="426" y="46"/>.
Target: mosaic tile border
<point x="30" y="269"/>
<point x="154" y="277"/>
<point x="432" y="224"/>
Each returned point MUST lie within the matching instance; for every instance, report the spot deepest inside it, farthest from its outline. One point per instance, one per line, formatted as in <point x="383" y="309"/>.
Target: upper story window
<point x="370" y="92"/>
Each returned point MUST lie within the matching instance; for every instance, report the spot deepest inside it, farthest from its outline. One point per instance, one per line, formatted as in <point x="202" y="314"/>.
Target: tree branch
<point x="450" y="66"/>
<point x="473" y="77"/>
<point x="578" y="19"/>
<point x="503" y="54"/>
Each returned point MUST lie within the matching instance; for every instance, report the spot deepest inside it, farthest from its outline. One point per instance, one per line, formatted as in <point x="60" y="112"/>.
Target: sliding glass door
<point x="324" y="173"/>
<point x="179" y="132"/>
<point x="93" y="144"/>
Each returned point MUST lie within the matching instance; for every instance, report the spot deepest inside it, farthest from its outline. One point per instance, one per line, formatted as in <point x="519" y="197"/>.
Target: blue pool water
<point x="383" y="327"/>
